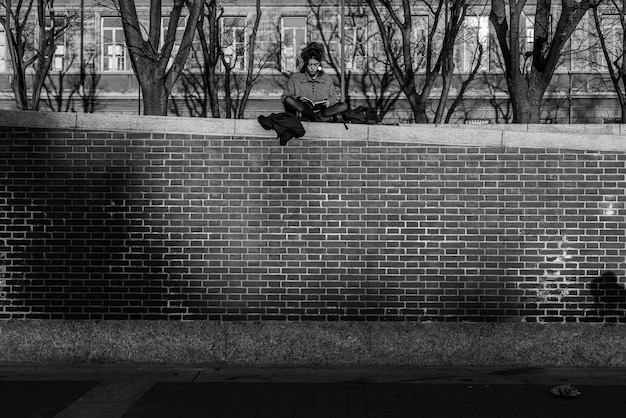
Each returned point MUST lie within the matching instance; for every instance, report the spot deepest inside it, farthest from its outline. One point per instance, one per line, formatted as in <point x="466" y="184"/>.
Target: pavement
<point x="131" y="390"/>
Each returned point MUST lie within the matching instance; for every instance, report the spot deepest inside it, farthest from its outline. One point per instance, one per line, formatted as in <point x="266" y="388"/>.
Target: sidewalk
<point x="102" y="390"/>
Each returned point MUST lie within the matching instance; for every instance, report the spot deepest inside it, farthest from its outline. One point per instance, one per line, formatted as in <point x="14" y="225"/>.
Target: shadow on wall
<point x="74" y="247"/>
<point x="609" y="296"/>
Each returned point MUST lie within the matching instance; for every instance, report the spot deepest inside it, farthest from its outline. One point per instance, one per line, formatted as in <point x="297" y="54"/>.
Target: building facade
<point x="92" y="71"/>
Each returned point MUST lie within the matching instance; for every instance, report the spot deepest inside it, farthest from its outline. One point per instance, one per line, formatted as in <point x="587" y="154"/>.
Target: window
<point x="527" y="28"/>
<point x="327" y="33"/>
<point x="234" y="42"/>
<point x="474" y="33"/>
<point x="612" y="32"/>
<point x="419" y="39"/>
<point x="114" y="52"/>
<point x="419" y="36"/>
<point x="3" y="50"/>
<point x="356" y="51"/>
<point x="293" y="33"/>
<point x="60" y="23"/>
<point x="378" y="57"/>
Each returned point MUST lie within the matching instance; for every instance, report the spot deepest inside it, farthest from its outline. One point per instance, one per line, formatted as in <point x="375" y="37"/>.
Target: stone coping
<point x="593" y="137"/>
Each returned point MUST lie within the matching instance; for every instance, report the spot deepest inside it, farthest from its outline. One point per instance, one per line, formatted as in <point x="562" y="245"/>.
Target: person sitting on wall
<point x="311" y="92"/>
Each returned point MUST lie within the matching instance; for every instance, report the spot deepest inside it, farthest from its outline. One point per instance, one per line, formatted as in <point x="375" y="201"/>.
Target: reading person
<point x="312" y="92"/>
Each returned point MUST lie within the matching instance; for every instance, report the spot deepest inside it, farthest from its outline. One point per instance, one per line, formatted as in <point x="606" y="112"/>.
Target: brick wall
<point x="100" y="225"/>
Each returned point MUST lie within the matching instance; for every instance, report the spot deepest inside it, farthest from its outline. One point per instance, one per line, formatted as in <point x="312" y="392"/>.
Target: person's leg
<point x="293" y="105"/>
<point x="335" y="109"/>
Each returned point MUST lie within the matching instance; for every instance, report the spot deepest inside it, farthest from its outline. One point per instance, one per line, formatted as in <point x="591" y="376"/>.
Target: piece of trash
<point x="565" y="391"/>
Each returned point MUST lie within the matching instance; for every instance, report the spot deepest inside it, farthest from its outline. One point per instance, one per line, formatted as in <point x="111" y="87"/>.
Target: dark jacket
<point x="285" y="124"/>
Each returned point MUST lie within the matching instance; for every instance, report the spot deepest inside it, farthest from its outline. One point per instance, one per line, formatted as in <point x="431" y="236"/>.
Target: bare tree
<point x="201" y="82"/>
<point x="230" y="62"/>
<point x="31" y="43"/>
<point x="377" y="86"/>
<point x="447" y="75"/>
<point x="472" y="41"/>
<point x="435" y="51"/>
<point x="251" y="76"/>
<point x="65" y="89"/>
<point x="238" y="85"/>
<point x="528" y="74"/>
<point x="613" y="52"/>
<point x="150" y="61"/>
<point x="206" y="87"/>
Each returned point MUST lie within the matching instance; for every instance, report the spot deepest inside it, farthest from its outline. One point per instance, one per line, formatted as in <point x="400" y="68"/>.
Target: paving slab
<point x="230" y="390"/>
<point x="345" y="400"/>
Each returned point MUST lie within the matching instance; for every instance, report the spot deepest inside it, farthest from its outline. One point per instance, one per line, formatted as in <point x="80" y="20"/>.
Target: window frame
<point x="114" y="42"/>
<point x="295" y="55"/>
<point x="473" y="34"/>
<point x="4" y="62"/>
<point x="60" y="52"/>
<point x="353" y="62"/>
<point x="237" y="49"/>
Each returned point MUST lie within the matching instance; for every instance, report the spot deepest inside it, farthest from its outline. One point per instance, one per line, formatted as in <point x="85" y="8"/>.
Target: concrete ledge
<point x="434" y="135"/>
<point x="313" y="343"/>
<point x="578" y="137"/>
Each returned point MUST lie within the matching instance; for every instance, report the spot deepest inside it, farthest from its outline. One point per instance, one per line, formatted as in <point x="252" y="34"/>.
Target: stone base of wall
<point x="313" y="343"/>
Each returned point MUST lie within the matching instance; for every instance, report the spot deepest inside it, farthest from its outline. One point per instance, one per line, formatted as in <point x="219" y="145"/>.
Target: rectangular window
<point x="234" y="41"/>
<point x="293" y="34"/>
<point x="527" y="28"/>
<point x="3" y="50"/>
<point x="419" y="36"/>
<point x="59" y="59"/>
<point x="378" y="58"/>
<point x="473" y="36"/>
<point x="613" y="34"/>
<point x="326" y="24"/>
<point x="114" y="52"/>
<point x="356" y="48"/>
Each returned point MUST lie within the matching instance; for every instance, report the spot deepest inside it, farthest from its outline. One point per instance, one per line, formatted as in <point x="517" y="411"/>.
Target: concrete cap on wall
<point x="578" y="137"/>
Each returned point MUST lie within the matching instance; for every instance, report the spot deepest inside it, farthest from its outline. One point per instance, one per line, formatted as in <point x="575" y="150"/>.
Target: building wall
<point x="576" y="95"/>
<point x="139" y="225"/>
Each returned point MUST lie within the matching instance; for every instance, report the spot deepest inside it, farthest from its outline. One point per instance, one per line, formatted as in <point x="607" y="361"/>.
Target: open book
<point x="322" y="104"/>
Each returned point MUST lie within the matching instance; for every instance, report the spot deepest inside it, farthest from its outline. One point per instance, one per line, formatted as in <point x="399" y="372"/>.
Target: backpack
<point x="362" y="114"/>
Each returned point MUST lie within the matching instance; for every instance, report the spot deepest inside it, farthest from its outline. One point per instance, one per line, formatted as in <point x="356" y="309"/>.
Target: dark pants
<point x="293" y="105"/>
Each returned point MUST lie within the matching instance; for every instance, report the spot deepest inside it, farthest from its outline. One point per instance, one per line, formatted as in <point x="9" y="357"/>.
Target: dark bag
<point x="362" y="114"/>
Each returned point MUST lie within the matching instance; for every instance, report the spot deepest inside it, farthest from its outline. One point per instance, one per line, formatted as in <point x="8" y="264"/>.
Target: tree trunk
<point x="155" y="99"/>
<point x="418" y="107"/>
<point x="212" y="52"/>
<point x="18" y="85"/>
<point x="212" y="87"/>
<point x="465" y="85"/>
<point x="527" y="98"/>
<point x="522" y="110"/>
<point x="228" y="100"/>
<point x="150" y="64"/>
<point x="446" y="74"/>
<point x="241" y="108"/>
